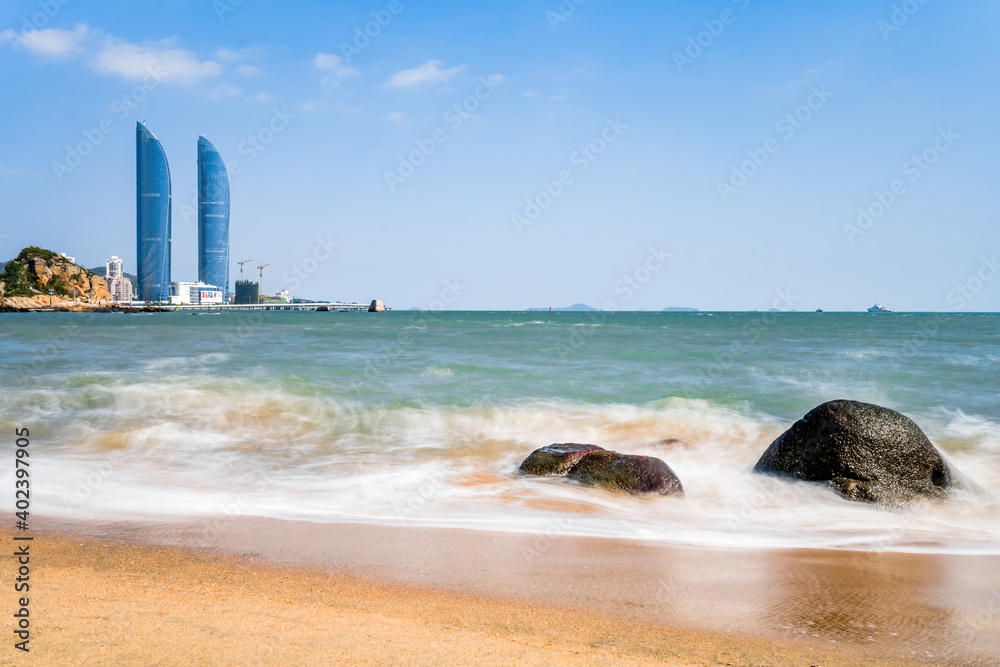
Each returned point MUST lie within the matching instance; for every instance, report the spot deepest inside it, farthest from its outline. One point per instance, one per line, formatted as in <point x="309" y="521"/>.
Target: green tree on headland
<point x="35" y="251"/>
<point x="15" y="280"/>
<point x="58" y="286"/>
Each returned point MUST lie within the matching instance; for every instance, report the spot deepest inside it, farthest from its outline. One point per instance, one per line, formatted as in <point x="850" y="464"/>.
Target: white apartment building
<point x="197" y="294"/>
<point x="119" y="286"/>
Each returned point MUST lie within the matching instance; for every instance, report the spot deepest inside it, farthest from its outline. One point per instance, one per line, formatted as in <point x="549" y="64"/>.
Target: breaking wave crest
<point x="201" y="445"/>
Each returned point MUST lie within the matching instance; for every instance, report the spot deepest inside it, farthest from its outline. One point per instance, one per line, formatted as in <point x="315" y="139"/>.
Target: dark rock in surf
<point x="867" y="452"/>
<point x="640" y="475"/>
<point x="556" y="459"/>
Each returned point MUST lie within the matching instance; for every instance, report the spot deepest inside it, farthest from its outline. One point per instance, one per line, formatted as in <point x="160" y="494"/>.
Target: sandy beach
<point x="254" y="591"/>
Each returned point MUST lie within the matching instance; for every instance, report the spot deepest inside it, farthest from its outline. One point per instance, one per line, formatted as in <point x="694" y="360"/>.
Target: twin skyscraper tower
<point x="153" y="204"/>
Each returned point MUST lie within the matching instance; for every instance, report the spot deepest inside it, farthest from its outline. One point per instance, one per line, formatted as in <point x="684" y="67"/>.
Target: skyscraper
<point x="213" y="217"/>
<point x="153" y="211"/>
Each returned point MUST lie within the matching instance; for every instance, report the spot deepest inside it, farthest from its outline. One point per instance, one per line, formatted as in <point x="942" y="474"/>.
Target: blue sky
<point x="505" y="155"/>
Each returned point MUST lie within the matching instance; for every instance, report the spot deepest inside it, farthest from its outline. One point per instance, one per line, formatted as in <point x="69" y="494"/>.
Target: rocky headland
<point x="27" y="279"/>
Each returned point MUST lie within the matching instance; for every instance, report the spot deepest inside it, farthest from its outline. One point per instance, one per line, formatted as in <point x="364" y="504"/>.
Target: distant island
<point x="575" y="308"/>
<point x="680" y="309"/>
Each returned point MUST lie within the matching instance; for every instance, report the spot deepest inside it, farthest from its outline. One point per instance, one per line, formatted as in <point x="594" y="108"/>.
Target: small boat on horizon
<point x="879" y="308"/>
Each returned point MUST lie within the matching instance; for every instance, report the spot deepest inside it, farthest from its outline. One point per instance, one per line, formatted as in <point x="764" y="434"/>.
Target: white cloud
<point x="809" y="77"/>
<point x="236" y="56"/>
<point x="226" y="90"/>
<point x="346" y="108"/>
<point x="397" y="116"/>
<point x="228" y="55"/>
<point x="50" y="42"/>
<point x="264" y="98"/>
<point x="327" y="62"/>
<point x="530" y="93"/>
<point x="109" y="55"/>
<point x="10" y="171"/>
<point x="134" y="62"/>
<point x="429" y="72"/>
<point x="240" y="58"/>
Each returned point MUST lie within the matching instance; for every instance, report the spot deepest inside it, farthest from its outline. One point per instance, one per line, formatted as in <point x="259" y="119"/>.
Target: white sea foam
<point x="439" y="372"/>
<point x="524" y="324"/>
<point x="211" y="446"/>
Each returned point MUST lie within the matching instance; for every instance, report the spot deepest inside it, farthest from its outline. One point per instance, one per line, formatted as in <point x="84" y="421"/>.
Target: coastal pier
<point x="332" y="307"/>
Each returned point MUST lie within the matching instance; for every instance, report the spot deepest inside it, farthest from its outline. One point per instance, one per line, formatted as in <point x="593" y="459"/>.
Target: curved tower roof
<point x="153" y="216"/>
<point x="213" y="217"/>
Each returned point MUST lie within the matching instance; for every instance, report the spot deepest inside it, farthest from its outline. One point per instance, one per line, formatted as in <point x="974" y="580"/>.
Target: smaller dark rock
<point x="624" y="472"/>
<point x="556" y="459"/>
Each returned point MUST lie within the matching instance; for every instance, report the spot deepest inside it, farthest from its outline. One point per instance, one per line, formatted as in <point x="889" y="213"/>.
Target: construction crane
<point x="260" y="293"/>
<point x="241" y="263"/>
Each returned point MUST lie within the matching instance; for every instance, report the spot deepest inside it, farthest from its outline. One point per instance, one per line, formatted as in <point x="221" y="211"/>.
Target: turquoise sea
<point x="417" y="418"/>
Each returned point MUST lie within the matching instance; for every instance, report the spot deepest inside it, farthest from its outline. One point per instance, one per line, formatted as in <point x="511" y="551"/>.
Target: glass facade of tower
<point x="213" y="217"/>
<point x="153" y="211"/>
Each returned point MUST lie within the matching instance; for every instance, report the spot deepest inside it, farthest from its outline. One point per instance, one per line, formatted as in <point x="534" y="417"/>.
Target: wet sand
<point x="256" y="591"/>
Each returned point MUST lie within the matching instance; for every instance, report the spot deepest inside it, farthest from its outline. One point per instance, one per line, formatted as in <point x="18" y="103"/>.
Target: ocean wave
<point x="868" y="353"/>
<point x="438" y="372"/>
<point x="186" y="363"/>
<point x="961" y="434"/>
<point x="194" y="445"/>
<point x="974" y="361"/>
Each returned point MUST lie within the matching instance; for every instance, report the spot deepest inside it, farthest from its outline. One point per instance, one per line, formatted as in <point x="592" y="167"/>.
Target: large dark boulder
<point x="867" y="452"/>
<point x="556" y="459"/>
<point x="623" y="472"/>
